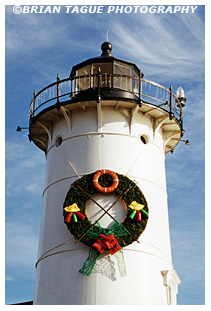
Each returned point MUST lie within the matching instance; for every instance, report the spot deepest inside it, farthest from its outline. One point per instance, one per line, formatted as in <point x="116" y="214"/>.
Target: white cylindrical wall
<point x="96" y="140"/>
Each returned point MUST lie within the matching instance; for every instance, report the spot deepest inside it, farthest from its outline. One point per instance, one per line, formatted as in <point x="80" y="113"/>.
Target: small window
<point x="58" y="141"/>
<point x="144" y="138"/>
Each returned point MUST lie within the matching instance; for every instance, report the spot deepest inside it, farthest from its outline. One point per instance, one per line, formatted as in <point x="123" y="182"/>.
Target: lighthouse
<point x="104" y="237"/>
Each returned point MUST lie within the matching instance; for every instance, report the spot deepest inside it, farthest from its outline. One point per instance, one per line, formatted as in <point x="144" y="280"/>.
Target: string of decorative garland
<point x="74" y="211"/>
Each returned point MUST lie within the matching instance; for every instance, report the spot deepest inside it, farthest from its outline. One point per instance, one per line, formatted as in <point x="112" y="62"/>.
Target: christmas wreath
<point x="93" y="235"/>
<point x="74" y="209"/>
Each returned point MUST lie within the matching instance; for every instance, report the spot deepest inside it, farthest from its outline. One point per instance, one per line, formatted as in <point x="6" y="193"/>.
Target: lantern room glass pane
<point x="123" y="79"/>
<point x="83" y="79"/>
<point x="106" y="71"/>
<point x="112" y="74"/>
<point x="135" y="82"/>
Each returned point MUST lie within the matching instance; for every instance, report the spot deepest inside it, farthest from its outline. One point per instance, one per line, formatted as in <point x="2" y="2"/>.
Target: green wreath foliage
<point x="133" y="229"/>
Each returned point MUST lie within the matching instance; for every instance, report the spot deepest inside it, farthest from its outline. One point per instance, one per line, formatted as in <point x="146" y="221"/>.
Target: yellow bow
<point x="72" y="208"/>
<point x="136" y="206"/>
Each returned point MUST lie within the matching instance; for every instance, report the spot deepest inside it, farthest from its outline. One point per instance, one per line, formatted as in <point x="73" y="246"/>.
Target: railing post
<point x="75" y="86"/>
<point x="71" y="79"/>
<point x="140" y="88"/>
<point x="34" y="103"/>
<point x="58" y="89"/>
<point x="98" y="86"/>
<point x="170" y="103"/>
<point x="181" y="120"/>
<point x="110" y="81"/>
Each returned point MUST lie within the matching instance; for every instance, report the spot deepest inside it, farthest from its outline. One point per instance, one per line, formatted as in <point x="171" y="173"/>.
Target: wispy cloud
<point x="194" y="26"/>
<point x="24" y="168"/>
<point x="43" y="35"/>
<point x="24" y="180"/>
<point x="21" y="244"/>
<point x="23" y="194"/>
<point x="190" y="241"/>
<point x="161" y="45"/>
<point x="9" y="278"/>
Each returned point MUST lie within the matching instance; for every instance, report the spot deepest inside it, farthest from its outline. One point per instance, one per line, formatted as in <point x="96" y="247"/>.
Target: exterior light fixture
<point x="180" y="100"/>
<point x="19" y="129"/>
<point x="186" y="142"/>
<point x="181" y="97"/>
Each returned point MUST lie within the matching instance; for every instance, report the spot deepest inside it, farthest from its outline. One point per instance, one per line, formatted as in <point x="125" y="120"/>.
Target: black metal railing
<point x="145" y="90"/>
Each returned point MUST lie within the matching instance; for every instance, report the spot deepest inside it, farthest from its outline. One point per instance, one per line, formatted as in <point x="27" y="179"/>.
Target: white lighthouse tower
<point x="105" y="120"/>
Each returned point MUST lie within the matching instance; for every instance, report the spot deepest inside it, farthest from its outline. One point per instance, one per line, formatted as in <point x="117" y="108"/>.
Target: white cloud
<point x="194" y="26"/>
<point x="21" y="244"/>
<point x="170" y="48"/>
<point x="24" y="168"/>
<point x="9" y="278"/>
<point x="191" y="244"/>
<point x="24" y="180"/>
<point x="20" y="38"/>
<point x="157" y="42"/>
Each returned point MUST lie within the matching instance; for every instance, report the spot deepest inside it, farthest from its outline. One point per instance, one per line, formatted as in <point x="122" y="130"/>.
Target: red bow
<point x="107" y="243"/>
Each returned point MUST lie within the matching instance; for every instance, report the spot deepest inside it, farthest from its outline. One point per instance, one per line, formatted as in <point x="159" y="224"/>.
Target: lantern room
<point x="113" y="76"/>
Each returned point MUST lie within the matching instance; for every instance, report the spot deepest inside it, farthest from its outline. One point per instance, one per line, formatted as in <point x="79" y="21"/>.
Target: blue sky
<point x="169" y="49"/>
